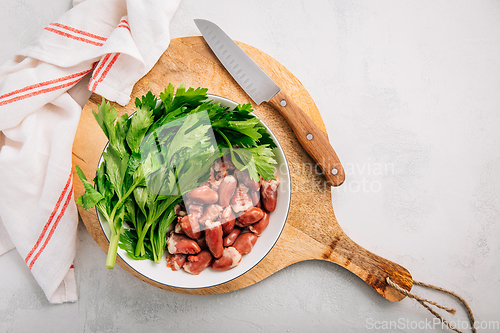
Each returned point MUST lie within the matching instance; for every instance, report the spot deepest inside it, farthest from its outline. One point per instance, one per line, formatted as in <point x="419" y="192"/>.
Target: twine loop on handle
<point x="423" y="301"/>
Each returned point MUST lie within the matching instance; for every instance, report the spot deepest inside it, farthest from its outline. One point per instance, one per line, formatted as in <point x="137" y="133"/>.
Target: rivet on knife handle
<point x="314" y="141"/>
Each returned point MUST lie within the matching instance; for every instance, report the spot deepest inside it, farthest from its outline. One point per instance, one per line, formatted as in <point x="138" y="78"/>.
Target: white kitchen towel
<point x="118" y="42"/>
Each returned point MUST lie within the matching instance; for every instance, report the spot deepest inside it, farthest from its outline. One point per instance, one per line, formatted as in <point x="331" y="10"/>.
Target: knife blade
<point x="261" y="88"/>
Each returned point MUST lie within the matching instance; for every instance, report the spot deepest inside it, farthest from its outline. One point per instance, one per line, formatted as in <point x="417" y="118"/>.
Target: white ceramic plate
<point x="208" y="278"/>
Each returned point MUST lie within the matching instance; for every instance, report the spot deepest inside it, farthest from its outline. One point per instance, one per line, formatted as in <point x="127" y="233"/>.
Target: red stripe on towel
<point x="38" y="92"/>
<point x="97" y="72"/>
<point x="45" y="83"/>
<point x="106" y="70"/>
<point x="54" y="226"/>
<point x="124" y="24"/>
<point x="54" y="211"/>
<point x="81" y="39"/>
<point x="85" y="33"/>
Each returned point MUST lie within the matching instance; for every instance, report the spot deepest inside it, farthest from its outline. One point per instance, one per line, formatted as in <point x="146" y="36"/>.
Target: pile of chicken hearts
<point x="221" y="220"/>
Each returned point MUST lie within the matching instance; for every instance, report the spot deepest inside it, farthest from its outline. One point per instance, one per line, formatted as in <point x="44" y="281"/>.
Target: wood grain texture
<point x="311" y="230"/>
<point x="314" y="141"/>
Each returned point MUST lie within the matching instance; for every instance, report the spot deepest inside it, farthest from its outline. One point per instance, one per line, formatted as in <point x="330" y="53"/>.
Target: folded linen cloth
<point x="116" y="42"/>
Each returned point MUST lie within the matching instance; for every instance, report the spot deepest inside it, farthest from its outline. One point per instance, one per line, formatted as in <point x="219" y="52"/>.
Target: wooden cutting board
<point x="311" y="230"/>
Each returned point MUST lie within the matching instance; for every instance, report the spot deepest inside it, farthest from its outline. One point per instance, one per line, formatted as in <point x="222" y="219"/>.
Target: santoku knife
<point x="261" y="88"/>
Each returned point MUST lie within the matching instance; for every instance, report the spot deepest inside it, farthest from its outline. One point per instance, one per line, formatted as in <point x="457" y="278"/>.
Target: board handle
<point x="314" y="141"/>
<point x="370" y="267"/>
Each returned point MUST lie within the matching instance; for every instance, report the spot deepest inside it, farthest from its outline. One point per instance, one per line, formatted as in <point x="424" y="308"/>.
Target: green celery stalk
<point x="156" y="209"/>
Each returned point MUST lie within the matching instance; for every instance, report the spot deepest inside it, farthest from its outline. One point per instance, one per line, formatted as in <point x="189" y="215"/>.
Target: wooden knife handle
<point x="314" y="141"/>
